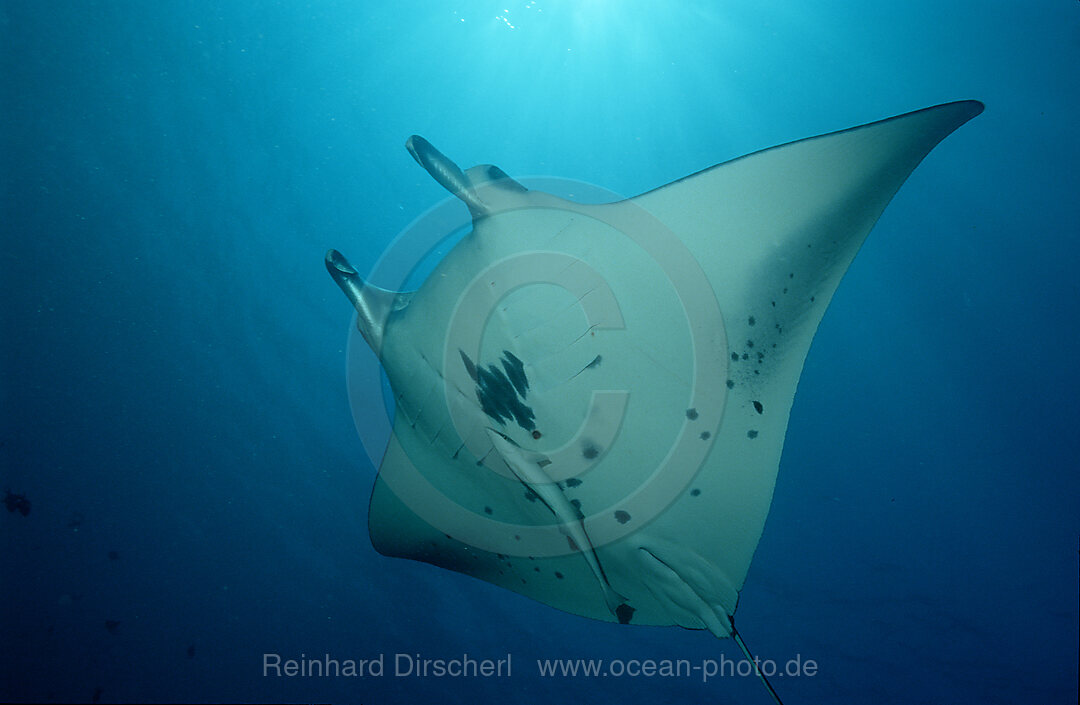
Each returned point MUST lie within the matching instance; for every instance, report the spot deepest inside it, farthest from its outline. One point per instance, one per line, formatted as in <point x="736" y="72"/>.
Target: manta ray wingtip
<point x="973" y="107"/>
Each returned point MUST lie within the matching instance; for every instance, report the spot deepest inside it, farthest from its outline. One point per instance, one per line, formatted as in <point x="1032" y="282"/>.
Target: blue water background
<point x="173" y="350"/>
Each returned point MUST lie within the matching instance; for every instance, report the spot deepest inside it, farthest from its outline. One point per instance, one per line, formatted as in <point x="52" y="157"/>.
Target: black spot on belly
<point x="558" y="575"/>
<point x="536" y="435"/>
<point x="731" y="384"/>
<point x="624" y="613"/>
<point x="751" y="320"/>
<point x="695" y="492"/>
<point x="487" y="510"/>
<point x="758" y="407"/>
<point x="589" y="451"/>
<point x="691" y="414"/>
<point x="573" y="482"/>
<point x="735" y="356"/>
<point x="622" y="517"/>
<point x="705" y="435"/>
<point x="749" y="343"/>
<point x="751" y="434"/>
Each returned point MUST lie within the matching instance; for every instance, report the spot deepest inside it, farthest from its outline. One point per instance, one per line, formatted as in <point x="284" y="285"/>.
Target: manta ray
<point x="590" y="400"/>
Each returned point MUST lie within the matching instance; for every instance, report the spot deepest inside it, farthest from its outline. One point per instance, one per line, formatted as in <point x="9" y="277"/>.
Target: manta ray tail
<point x="753" y="659"/>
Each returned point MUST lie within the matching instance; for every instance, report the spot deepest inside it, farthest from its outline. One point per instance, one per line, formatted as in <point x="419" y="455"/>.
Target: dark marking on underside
<point x="501" y="392"/>
<point x="691" y="414"/>
<point x="558" y="575"/>
<point x="624" y="613"/>
<point x="515" y="372"/>
<point x="758" y="407"/>
<point x="573" y="482"/>
<point x="705" y="435"/>
<point x="487" y="510"/>
<point x="622" y="517"/>
<point x="751" y="434"/>
<point x="695" y="492"/>
<point x="589" y="451"/>
<point x="469" y="366"/>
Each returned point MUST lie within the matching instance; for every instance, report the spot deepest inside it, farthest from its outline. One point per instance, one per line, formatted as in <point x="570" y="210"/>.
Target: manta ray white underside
<point x="591" y="400"/>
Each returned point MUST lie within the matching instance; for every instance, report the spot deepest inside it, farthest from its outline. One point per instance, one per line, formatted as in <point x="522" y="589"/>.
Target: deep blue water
<point x="174" y="351"/>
